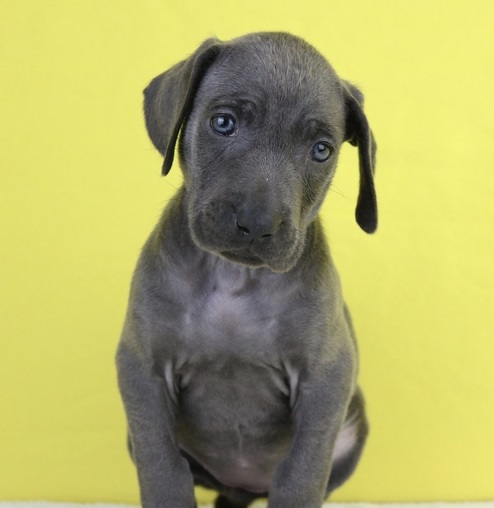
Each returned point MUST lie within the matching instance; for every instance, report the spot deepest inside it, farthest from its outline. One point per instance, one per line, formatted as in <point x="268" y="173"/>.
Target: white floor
<point x="44" y="504"/>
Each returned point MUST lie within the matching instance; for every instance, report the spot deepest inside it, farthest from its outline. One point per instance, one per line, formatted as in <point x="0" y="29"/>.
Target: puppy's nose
<point x="255" y="225"/>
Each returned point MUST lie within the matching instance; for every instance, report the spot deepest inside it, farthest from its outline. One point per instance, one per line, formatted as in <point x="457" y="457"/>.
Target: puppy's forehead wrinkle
<point x="247" y="106"/>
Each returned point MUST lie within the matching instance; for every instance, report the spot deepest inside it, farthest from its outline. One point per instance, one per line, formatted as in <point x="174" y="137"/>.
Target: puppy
<point x="238" y="363"/>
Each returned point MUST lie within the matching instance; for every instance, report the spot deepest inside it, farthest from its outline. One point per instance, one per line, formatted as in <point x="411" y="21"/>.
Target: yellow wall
<point x="80" y="190"/>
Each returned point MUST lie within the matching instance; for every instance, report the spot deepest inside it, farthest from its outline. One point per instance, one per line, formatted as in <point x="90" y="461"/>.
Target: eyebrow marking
<point x="233" y="102"/>
<point x="316" y="127"/>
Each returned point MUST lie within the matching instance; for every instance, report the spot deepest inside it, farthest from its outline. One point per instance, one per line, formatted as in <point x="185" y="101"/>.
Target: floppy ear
<point x="169" y="97"/>
<point x="359" y="134"/>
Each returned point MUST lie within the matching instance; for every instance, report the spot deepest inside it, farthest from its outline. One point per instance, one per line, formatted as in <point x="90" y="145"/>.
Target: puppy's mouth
<point x="243" y="256"/>
<point x="277" y="264"/>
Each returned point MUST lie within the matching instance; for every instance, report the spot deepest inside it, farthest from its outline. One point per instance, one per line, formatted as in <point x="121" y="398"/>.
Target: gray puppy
<point x="238" y="363"/>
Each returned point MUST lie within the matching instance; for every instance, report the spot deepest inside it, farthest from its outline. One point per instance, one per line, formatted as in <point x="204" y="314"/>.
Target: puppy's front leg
<point x="164" y="476"/>
<point x="321" y="403"/>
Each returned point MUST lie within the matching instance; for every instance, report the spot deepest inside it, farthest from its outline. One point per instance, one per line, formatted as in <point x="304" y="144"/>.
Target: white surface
<point x="45" y="504"/>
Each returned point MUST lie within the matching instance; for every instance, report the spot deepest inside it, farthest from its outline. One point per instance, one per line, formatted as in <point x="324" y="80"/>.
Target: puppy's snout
<point x="255" y="225"/>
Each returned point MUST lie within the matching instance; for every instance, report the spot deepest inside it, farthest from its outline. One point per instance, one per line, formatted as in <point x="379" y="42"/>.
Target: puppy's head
<point x="262" y="119"/>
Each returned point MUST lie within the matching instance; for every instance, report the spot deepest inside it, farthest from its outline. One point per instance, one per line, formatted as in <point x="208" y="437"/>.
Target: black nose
<point x="254" y="224"/>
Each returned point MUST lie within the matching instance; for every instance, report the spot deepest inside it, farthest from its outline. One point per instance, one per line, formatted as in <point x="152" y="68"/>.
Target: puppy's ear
<point x="359" y="134"/>
<point x="169" y="97"/>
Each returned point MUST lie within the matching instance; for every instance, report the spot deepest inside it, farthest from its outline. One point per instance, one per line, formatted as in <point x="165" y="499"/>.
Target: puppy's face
<point x="259" y="150"/>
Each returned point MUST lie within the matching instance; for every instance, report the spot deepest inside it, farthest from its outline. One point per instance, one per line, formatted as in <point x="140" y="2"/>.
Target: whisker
<point x="334" y="189"/>
<point x="171" y="185"/>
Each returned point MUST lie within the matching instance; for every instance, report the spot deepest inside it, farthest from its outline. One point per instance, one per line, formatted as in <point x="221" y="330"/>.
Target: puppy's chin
<point x="245" y="258"/>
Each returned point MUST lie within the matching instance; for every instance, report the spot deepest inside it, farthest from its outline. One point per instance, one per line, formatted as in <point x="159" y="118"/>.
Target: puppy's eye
<point x="223" y="124"/>
<point x="321" y="152"/>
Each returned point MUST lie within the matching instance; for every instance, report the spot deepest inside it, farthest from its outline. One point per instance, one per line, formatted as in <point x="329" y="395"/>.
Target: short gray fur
<point x="237" y="363"/>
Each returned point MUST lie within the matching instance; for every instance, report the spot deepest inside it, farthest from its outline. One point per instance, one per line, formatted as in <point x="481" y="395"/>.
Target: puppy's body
<point x="238" y="364"/>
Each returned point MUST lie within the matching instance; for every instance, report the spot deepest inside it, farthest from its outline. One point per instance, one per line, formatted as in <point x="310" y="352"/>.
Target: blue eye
<point x="223" y="124"/>
<point x="321" y="152"/>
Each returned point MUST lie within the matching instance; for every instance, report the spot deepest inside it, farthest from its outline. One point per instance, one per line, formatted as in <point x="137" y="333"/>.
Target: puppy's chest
<point x="229" y="317"/>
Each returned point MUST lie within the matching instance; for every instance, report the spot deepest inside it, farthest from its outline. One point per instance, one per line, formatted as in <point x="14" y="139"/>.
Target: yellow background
<point x="81" y="189"/>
